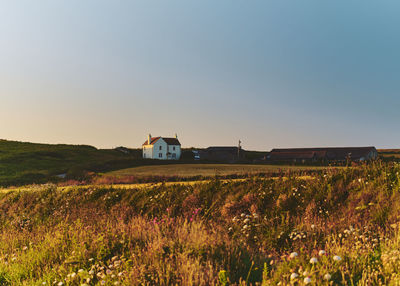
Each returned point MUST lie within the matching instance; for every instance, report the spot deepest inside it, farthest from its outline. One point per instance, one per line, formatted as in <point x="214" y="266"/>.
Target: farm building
<point x="323" y="154"/>
<point x="162" y="148"/>
<point x="225" y="154"/>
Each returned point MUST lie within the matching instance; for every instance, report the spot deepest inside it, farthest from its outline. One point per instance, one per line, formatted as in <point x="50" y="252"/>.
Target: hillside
<point x="27" y="163"/>
<point x="24" y="163"/>
<point x="389" y="154"/>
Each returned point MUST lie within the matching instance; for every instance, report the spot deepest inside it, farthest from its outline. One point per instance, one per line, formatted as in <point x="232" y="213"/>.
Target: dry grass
<point x="214" y="233"/>
<point x="190" y="170"/>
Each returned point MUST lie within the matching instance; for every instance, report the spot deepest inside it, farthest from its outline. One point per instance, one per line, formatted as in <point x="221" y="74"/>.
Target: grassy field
<point x="340" y="228"/>
<point x="389" y="154"/>
<point x="208" y="170"/>
<point x="24" y="163"/>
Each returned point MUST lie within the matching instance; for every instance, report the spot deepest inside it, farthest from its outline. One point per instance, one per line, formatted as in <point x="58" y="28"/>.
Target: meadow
<point x="339" y="228"/>
<point x="26" y="163"/>
<point x="209" y="170"/>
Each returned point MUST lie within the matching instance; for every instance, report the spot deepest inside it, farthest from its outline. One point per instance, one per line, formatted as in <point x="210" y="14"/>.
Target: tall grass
<point x="339" y="229"/>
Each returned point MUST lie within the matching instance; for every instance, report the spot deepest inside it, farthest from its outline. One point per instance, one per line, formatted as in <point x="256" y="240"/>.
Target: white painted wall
<point x="153" y="151"/>
<point x="177" y="152"/>
<point x="147" y="151"/>
<point x="160" y="147"/>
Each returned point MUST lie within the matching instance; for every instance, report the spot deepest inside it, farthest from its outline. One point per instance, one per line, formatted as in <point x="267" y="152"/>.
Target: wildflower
<point x="230" y="229"/>
<point x="305" y="273"/>
<point x="242" y="214"/>
<point x="80" y="270"/>
<point x="307" y="280"/>
<point x="337" y="258"/>
<point x="271" y="262"/>
<point x="293" y="255"/>
<point x="25" y="248"/>
<point x="313" y="260"/>
<point x="246" y="220"/>
<point x="313" y="226"/>
<point x="60" y="284"/>
<point x="327" y="277"/>
<point x="321" y="252"/>
<point x="73" y="275"/>
<point x="294" y="276"/>
<point x="103" y="282"/>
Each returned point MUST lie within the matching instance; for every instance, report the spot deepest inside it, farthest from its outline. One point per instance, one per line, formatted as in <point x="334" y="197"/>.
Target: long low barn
<point x="323" y="154"/>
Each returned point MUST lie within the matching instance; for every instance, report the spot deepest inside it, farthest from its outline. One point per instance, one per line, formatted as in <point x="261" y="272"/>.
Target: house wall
<point x="156" y="150"/>
<point x="177" y="152"/>
<point x="148" y="151"/>
<point x="153" y="151"/>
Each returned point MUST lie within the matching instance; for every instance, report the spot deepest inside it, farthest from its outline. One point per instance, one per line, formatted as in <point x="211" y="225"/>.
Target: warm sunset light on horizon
<point x="268" y="73"/>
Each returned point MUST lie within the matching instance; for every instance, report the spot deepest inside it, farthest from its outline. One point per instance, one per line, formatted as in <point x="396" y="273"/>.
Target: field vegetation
<point x="26" y="163"/>
<point x="340" y="228"/>
<point x="209" y="170"/>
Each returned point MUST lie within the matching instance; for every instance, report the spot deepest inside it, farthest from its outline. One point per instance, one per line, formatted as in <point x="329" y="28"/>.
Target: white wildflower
<point x="294" y="276"/>
<point x="293" y="255"/>
<point x="313" y="260"/>
<point x="337" y="258"/>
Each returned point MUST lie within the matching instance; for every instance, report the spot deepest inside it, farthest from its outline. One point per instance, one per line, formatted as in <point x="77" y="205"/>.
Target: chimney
<point x="149" y="139"/>
<point x="176" y="136"/>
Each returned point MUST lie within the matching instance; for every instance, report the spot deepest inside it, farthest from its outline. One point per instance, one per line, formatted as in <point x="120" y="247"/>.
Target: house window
<point x="173" y="155"/>
<point x="144" y="155"/>
<point x="173" y="148"/>
<point x="159" y="155"/>
<point x="160" y="147"/>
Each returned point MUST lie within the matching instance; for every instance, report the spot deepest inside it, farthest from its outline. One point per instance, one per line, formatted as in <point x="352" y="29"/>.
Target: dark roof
<point x="330" y="153"/>
<point x="169" y="141"/>
<point x="294" y="155"/>
<point x="222" y="148"/>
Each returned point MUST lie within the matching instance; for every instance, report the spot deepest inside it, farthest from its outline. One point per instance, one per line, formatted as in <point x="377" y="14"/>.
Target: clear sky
<point x="272" y="73"/>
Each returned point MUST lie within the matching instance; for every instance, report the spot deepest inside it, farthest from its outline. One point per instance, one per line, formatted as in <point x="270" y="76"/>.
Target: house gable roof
<point x="169" y="141"/>
<point x="153" y="140"/>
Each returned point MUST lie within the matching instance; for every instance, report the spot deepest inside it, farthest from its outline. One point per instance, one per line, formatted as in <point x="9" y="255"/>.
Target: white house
<point x="162" y="148"/>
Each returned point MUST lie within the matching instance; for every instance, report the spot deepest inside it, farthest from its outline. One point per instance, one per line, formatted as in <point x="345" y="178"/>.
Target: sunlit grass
<point x="341" y="227"/>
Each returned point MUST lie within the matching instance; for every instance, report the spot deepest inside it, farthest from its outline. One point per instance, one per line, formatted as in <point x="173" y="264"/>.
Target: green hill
<point x="24" y="163"/>
<point x="27" y="163"/>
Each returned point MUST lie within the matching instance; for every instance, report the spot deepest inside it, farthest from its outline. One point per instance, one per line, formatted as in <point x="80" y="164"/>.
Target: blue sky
<point x="271" y="73"/>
